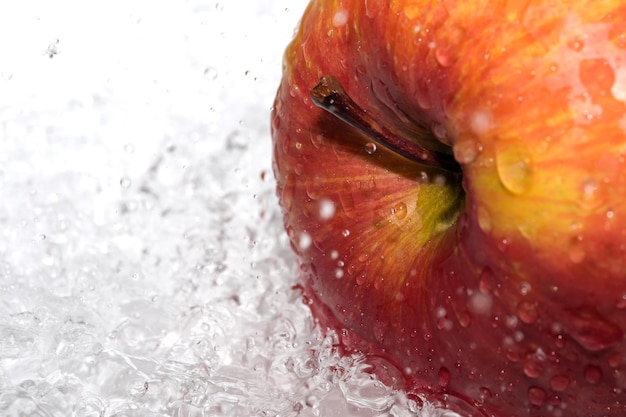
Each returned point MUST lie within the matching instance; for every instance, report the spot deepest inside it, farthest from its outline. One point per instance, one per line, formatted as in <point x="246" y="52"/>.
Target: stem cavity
<point x="330" y="95"/>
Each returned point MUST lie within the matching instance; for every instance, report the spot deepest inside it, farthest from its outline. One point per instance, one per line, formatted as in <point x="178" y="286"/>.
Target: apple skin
<point x="503" y="294"/>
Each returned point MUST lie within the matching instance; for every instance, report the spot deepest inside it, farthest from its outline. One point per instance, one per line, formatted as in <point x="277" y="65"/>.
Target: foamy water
<point x="143" y="266"/>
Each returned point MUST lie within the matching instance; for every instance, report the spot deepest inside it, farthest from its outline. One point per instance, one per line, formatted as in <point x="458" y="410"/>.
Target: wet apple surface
<point x="452" y="179"/>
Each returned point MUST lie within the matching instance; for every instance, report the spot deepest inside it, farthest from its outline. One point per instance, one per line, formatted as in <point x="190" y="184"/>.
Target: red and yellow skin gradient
<point x="485" y="261"/>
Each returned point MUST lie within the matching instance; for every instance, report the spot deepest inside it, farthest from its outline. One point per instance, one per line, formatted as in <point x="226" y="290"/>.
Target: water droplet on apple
<point x="559" y="383"/>
<point x="440" y="132"/>
<point x="527" y="312"/>
<point x="537" y="396"/>
<point x="326" y="209"/>
<point x="399" y="210"/>
<point x="276" y="121"/>
<point x="338" y="273"/>
<point x="576" y="250"/>
<point x="289" y="190"/>
<point x="534" y="363"/>
<point x="576" y="45"/>
<point x="346" y="198"/>
<point x="484" y="218"/>
<point x="313" y="189"/>
<point x="559" y="341"/>
<point x="615" y="360"/>
<point x="370" y="148"/>
<point x="380" y="328"/>
<point x="514" y="167"/>
<point x="361" y="278"/>
<point x="444" y="377"/>
<point x="456" y="406"/>
<point x="593" y="374"/>
<point x="345" y="232"/>
<point x="589" y="194"/>
<point x="444" y="56"/>
<point x="465" y="319"/>
<point x="485" y="393"/>
<point x="592" y="331"/>
<point x="525" y="288"/>
<point x="486" y="281"/>
<point x="465" y="151"/>
<point x="423" y="97"/>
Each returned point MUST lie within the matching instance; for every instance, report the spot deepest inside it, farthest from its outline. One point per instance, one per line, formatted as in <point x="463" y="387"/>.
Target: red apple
<point x="453" y="180"/>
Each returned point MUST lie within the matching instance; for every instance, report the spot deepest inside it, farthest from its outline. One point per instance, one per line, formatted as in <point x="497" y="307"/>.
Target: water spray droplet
<point x="125" y="182"/>
<point x="305" y="241"/>
<point x="210" y="73"/>
<point x="326" y="209"/>
<point x="480" y="303"/>
<point x="340" y="18"/>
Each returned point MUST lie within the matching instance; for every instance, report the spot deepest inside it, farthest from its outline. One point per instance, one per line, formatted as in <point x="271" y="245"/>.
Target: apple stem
<point x="330" y="95"/>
